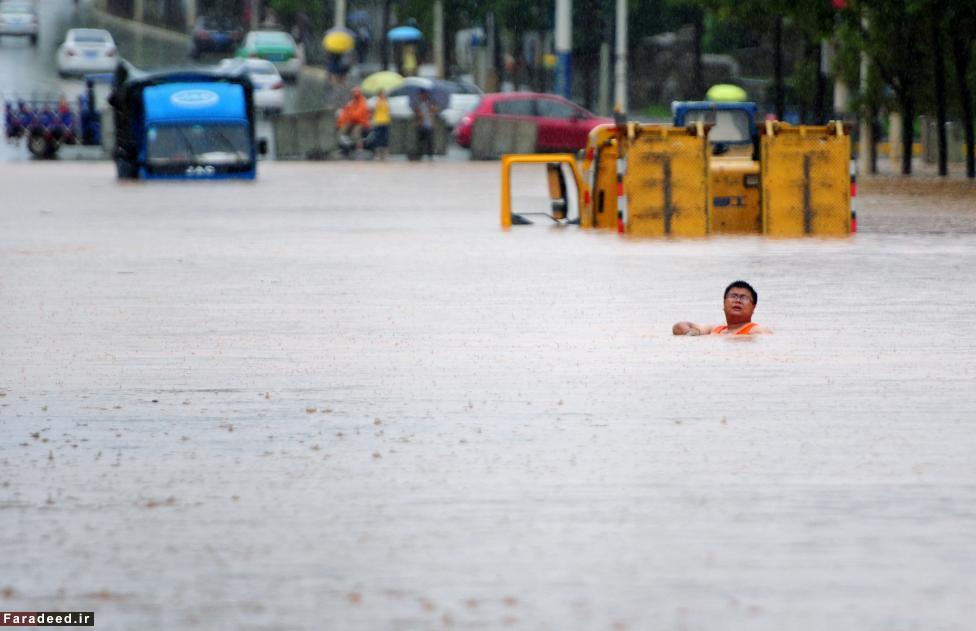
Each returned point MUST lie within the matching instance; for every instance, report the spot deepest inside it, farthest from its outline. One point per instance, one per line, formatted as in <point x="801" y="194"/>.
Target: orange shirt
<point x="356" y="112"/>
<point x="746" y="330"/>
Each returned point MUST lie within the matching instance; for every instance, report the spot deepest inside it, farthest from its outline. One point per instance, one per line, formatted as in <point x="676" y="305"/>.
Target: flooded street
<point x="340" y="397"/>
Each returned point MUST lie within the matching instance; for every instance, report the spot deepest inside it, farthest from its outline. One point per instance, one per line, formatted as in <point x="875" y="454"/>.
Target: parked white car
<point x="19" y="17"/>
<point x="269" y="93"/>
<point x="87" y="50"/>
<point x="453" y="99"/>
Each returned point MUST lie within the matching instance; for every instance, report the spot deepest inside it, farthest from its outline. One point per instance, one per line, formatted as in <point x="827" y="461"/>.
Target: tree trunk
<point x="907" y="102"/>
<point x="961" y="54"/>
<point x="778" y="67"/>
<point x="384" y="43"/>
<point x="698" y="74"/>
<point x="940" y="89"/>
<point x="875" y="134"/>
<point x="820" y="87"/>
<point x="447" y="45"/>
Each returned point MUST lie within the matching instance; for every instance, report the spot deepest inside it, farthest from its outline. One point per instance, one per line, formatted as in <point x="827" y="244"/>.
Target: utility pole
<point x="603" y="101"/>
<point x="340" y="14"/>
<point x="620" y="58"/>
<point x="190" y="13"/>
<point x="564" y="48"/>
<point x="255" y="14"/>
<point x="439" y="37"/>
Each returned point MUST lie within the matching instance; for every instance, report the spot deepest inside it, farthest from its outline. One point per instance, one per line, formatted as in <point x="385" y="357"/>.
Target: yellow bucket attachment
<point x="667" y="182"/>
<point x="806" y="182"/>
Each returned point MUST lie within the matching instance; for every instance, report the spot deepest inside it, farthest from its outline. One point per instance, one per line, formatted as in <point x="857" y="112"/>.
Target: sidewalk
<point x="924" y="179"/>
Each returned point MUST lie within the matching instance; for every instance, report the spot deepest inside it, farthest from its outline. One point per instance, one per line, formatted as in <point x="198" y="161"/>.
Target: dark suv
<point x="215" y="34"/>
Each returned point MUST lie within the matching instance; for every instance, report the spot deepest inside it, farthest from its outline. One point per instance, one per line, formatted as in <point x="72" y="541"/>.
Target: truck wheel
<point x="38" y="146"/>
<point x="126" y="170"/>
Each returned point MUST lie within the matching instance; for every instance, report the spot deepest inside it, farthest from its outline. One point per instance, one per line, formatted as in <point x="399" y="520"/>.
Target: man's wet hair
<point x="741" y="284"/>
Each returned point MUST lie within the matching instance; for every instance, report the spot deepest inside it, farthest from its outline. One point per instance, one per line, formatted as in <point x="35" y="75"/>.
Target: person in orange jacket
<point x="739" y="302"/>
<point x="353" y="119"/>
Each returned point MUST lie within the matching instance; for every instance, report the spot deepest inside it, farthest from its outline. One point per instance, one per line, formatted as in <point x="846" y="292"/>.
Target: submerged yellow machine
<point x="712" y="171"/>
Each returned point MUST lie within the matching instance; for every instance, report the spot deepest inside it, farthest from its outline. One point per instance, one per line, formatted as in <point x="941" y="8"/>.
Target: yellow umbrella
<point x="338" y="41"/>
<point x="382" y="80"/>
<point x="726" y="92"/>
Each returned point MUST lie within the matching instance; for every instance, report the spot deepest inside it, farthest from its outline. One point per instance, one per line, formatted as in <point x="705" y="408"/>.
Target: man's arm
<point x="690" y="328"/>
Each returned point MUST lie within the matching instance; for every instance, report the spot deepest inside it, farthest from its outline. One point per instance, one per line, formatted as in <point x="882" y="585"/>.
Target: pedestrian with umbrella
<point x="407" y="37"/>
<point x="381" y="126"/>
<point x="338" y="42"/>
<point x="359" y="23"/>
<point x="425" y="110"/>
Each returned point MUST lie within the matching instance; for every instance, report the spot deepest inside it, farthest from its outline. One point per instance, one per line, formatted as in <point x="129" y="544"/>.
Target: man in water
<point x="740" y="302"/>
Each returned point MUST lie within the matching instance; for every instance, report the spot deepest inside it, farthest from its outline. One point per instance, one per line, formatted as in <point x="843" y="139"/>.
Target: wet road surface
<point x="333" y="399"/>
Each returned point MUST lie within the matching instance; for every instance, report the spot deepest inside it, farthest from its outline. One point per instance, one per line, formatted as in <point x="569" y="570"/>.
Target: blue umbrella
<point x="412" y="87"/>
<point x="404" y="34"/>
<point x="358" y="18"/>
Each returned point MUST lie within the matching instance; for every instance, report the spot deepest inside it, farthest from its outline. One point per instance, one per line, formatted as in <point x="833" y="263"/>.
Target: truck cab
<point x="734" y="162"/>
<point x="184" y="124"/>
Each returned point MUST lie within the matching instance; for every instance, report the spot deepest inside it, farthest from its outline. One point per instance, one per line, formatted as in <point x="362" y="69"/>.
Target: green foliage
<point x="658" y="112"/>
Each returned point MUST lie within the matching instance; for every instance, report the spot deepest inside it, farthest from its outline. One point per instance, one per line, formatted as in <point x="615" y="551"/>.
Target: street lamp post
<point x="564" y="48"/>
<point x="620" y="61"/>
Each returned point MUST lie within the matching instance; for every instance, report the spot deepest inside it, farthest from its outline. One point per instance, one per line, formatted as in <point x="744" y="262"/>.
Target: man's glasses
<point x="739" y="297"/>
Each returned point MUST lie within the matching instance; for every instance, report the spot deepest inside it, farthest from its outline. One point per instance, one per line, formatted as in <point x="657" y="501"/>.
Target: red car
<point x="563" y="125"/>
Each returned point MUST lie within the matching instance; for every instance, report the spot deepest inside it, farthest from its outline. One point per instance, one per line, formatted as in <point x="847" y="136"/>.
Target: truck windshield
<point x="198" y="144"/>
<point x="730" y="125"/>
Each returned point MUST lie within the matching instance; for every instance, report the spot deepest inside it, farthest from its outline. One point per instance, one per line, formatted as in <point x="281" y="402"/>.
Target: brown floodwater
<point x="340" y="397"/>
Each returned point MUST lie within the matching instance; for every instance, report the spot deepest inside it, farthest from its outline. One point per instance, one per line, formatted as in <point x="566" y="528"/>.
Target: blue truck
<point x="184" y="124"/>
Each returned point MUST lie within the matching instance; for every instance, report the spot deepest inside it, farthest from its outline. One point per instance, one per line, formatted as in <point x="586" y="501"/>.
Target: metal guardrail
<point x="492" y="138"/>
<point x="403" y="138"/>
<point x="305" y="135"/>
<point x="313" y="136"/>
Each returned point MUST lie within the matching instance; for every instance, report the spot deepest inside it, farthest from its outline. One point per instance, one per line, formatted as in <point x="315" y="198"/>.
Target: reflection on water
<point x="344" y="380"/>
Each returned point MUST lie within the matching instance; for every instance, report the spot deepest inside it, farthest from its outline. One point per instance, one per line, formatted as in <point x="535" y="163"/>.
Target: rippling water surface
<point x="340" y="397"/>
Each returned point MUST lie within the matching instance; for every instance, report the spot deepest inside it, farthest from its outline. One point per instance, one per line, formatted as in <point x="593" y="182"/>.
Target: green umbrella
<point x="726" y="92"/>
<point x="382" y="80"/>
